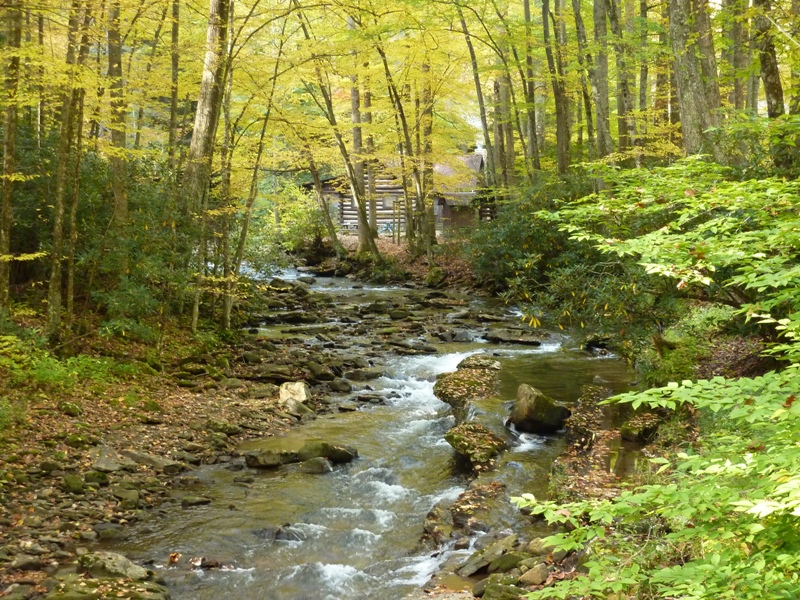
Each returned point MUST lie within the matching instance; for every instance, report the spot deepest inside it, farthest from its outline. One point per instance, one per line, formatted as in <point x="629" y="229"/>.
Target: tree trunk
<point x="370" y="162"/>
<point x="587" y="69"/>
<point x="201" y="150"/>
<point x="708" y="57"/>
<point x="605" y="143"/>
<point x="72" y="243"/>
<point x="174" y="72"/>
<point x="644" y="71"/>
<point x="530" y="89"/>
<point x="428" y="218"/>
<point x="736" y="55"/>
<point x="491" y="170"/>
<point x="794" y="101"/>
<point x="626" y="120"/>
<point x="13" y="41"/>
<point x="68" y="105"/>
<point x="696" y="113"/>
<point x="117" y="160"/>
<point x="148" y="67"/>
<point x="559" y="95"/>
<point x="770" y="75"/>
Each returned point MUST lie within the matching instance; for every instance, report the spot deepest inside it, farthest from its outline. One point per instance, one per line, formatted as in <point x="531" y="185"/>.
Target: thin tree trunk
<point x="587" y="69"/>
<point x="605" y="143"/>
<point x="117" y="159"/>
<point x="428" y="220"/>
<point x="736" y="55"/>
<point x="627" y="122"/>
<point x="148" y="67"/>
<point x="174" y="72"/>
<point x="13" y="41"/>
<point x="72" y="243"/>
<point x="491" y="170"/>
<point x="644" y="66"/>
<point x="365" y="237"/>
<point x="41" y="106"/>
<point x="370" y="162"/>
<point x="559" y="95"/>
<point x="68" y="104"/>
<point x="530" y="88"/>
<point x="794" y="101"/>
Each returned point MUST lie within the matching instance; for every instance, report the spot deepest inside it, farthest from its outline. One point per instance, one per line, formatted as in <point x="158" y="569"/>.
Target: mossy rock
<point x="641" y="428"/>
<point x="459" y="387"/>
<point x="435" y="278"/>
<point x="70" y="408"/>
<point x="475" y="442"/>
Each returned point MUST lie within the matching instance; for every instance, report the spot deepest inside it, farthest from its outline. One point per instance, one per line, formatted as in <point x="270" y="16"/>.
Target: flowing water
<point x="354" y="533"/>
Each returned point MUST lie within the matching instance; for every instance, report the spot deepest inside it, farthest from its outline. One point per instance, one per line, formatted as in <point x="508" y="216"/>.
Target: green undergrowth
<point x="675" y="354"/>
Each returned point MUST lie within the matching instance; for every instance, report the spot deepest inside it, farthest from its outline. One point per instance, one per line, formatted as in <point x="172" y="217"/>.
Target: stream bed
<point x="355" y="533"/>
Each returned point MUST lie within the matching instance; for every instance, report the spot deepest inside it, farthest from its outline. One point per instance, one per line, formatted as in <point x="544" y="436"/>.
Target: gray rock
<point x="105" y="565"/>
<point x="364" y="374"/>
<point x="335" y="453"/>
<point x="294" y="394"/>
<point x="483" y="558"/>
<point x="190" y="501"/>
<point x="536" y="575"/>
<point x="479" y="589"/>
<point x="108" y="460"/>
<point x="537" y="413"/>
<point x="25" y="562"/>
<point x="510" y="336"/>
<point x="316" y="466"/>
<point x="497" y="591"/>
<point x="165" y="465"/>
<point x="110" y="531"/>
<point x="223" y="427"/>
<point x="340" y="385"/>
<point x="261" y="391"/>
<point x="269" y="459"/>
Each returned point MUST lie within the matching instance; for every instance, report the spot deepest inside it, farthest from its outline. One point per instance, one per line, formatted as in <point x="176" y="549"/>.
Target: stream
<point x="354" y="533"/>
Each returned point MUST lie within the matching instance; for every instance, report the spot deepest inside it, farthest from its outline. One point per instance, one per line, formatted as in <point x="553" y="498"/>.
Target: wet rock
<point x="399" y="314"/>
<point x="479" y="361"/>
<point x="341" y="386"/>
<point x="73" y="484"/>
<point x="316" y="466"/>
<point x="347" y="406"/>
<point x="269" y="459"/>
<point x="460" y="387"/>
<point x="483" y="558"/>
<point x="110" y="565"/>
<point x="497" y="591"/>
<point x="479" y="589"/>
<point x="537" y="413"/>
<point x="512" y="336"/>
<point x="78" y="587"/>
<point x="475" y="442"/>
<point x="335" y="453"/>
<point x="365" y="374"/>
<point x="190" y="501"/>
<point x="536" y="575"/>
<point x="506" y="562"/>
<point x="110" y="531"/>
<point x="320" y="372"/>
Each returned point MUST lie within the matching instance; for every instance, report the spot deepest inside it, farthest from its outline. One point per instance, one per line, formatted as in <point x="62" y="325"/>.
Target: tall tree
<point x="559" y="92"/>
<point x="605" y="143"/>
<point x="13" y="17"/>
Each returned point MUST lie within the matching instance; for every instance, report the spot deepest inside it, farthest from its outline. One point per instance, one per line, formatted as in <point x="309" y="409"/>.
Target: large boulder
<point x="293" y="394"/>
<point x="337" y="454"/>
<point x="472" y="381"/>
<point x="111" y="565"/>
<point x="476" y="443"/>
<point x="535" y="412"/>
